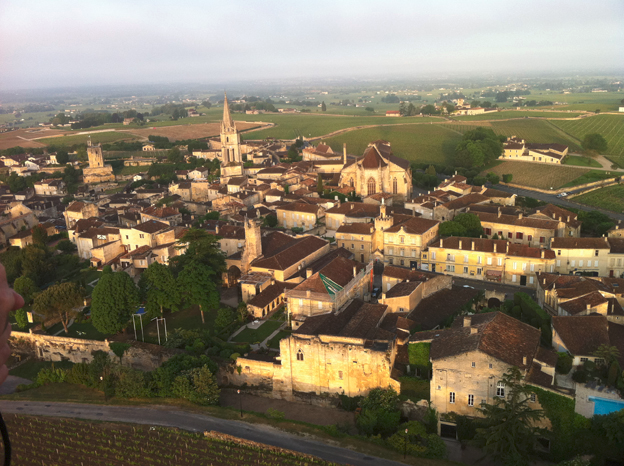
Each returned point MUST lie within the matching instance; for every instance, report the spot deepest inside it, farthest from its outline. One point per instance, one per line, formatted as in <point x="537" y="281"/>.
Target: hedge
<point x="419" y="356"/>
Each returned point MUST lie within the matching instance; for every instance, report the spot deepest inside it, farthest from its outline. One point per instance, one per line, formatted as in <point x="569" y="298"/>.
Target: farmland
<point x="103" y="137"/>
<point x="58" y="441"/>
<point x="187" y="131"/>
<point x="540" y="176"/>
<point x="516" y="114"/>
<point x="416" y="143"/>
<point x="611" y="127"/>
<point x="610" y="198"/>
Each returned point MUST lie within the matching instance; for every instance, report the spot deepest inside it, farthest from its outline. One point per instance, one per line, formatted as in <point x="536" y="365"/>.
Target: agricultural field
<point x="589" y="102"/>
<point x="186" y="131"/>
<point x="611" y="127"/>
<point x="537" y="175"/>
<point x="416" y="143"/>
<point x="58" y="441"/>
<point x="103" y="137"/>
<point x="609" y="198"/>
<point x="514" y="114"/>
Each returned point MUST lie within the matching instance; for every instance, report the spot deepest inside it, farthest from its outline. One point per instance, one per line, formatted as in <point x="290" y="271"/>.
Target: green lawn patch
<point x="609" y="198"/>
<point x="133" y="170"/>
<point x="581" y="162"/>
<point x="30" y="369"/>
<point x="590" y="177"/>
<point x="275" y="341"/>
<point x="415" y="142"/>
<point x="414" y="389"/>
<point x="257" y="335"/>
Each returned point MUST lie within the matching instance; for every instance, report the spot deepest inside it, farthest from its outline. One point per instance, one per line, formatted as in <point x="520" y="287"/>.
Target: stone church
<point x="231" y="156"/>
<point x="378" y="171"/>
<point x="97" y="171"/>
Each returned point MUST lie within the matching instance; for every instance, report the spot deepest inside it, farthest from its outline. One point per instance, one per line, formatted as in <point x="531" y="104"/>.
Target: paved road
<point x="169" y="417"/>
<point x="556" y="200"/>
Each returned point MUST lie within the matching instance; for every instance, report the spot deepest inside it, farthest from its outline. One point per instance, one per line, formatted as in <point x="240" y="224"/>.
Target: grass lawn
<point x="133" y="170"/>
<point x="85" y="330"/>
<point x="30" y="369"/>
<point x="414" y="389"/>
<point x="260" y="334"/>
<point x="609" y="198"/>
<point x="275" y="341"/>
<point x="538" y="175"/>
<point x="590" y="177"/>
<point x="611" y="127"/>
<point x="416" y="143"/>
<point x="187" y="319"/>
<point x="581" y="162"/>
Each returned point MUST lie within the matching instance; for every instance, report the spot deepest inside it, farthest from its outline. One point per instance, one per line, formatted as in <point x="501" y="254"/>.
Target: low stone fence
<point x="143" y="356"/>
<point x="589" y="190"/>
<point x="595" y="184"/>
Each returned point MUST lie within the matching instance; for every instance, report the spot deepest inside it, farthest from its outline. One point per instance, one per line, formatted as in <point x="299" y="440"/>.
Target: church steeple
<point x="227" y="124"/>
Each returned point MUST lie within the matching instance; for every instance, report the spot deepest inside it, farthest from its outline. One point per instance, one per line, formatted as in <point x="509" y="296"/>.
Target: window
<point x="488" y="231"/>
<point x="452" y="397"/>
<point x="391" y="252"/>
<point x="490" y="366"/>
<point x="299" y="355"/>
<point x="395" y="189"/>
<point x="413" y="252"/>
<point x="596" y="253"/>
<point x="402" y="238"/>
<point x="470" y="400"/>
<point x="126" y="236"/>
<point x="473" y="364"/>
<point x="558" y="252"/>
<point x="479" y="270"/>
<point x="532" y="267"/>
<point x="343" y="245"/>
<point x="479" y="259"/>
<point x="500" y="389"/>
<point x="402" y="262"/>
<point x="489" y="261"/>
<point x="530" y="280"/>
<point x="465" y="259"/>
<point x="513" y="278"/>
<point x="361" y="246"/>
<point x="320" y="304"/>
<point x="402" y="252"/>
<point x="352" y="246"/>
<point x="530" y="237"/>
<point x="595" y="263"/>
<point x="450" y="268"/>
<point x="542" y="239"/>
<point x="510" y="235"/>
<point x="581" y="263"/>
<point x="584" y="359"/>
<point x="391" y="261"/>
<point x="371" y="186"/>
<point x="465" y="269"/>
<point x="284" y="214"/>
<point x="433" y="254"/>
<point x="500" y="261"/>
<point x="519" y="235"/>
<point x="574" y="263"/>
<point x="515" y="265"/>
<point x="141" y="236"/>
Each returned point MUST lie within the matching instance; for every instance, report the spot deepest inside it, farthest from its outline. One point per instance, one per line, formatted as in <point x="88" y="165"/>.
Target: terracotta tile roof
<point x="465" y="201"/>
<point x="578" y="305"/>
<point x="138" y="252"/>
<point x="94" y="232"/>
<point x="300" y="207"/>
<point x="617" y="245"/>
<point x="515" y="220"/>
<point x="232" y="232"/>
<point x="496" y="193"/>
<point x="493" y="209"/>
<point x="395" y="321"/>
<point x="372" y="159"/>
<point x="536" y="376"/>
<point x="413" y="226"/>
<point x="270" y="294"/>
<point x="497" y="334"/>
<point x="582" y="335"/>
<point x="403" y="289"/>
<point x="355" y="209"/>
<point x="75" y="206"/>
<point x="339" y="271"/>
<point x="568" y="242"/>
<point x="292" y="253"/>
<point x="402" y="273"/>
<point x="436" y="308"/>
<point x="546" y="356"/>
<point x="357" y="228"/>
<point x="323" y="261"/>
<point x="151" y="226"/>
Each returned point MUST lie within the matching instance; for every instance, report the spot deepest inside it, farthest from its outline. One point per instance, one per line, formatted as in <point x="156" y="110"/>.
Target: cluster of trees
<point x="18" y="183"/>
<point x="465" y="224"/>
<point x="535" y="103"/>
<point x="478" y="147"/>
<point x="595" y="142"/>
<point x="175" y="110"/>
<point x="191" y="279"/>
<point x="258" y="104"/>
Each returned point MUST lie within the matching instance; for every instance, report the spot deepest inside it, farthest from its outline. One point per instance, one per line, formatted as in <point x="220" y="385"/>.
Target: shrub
<point x="197" y="385"/>
<point x="22" y="318"/>
<point x="417" y="442"/>
<point x="349" y="403"/>
<point x="580" y="376"/>
<point x="52" y="375"/>
<point x="275" y="414"/>
<point x="131" y="384"/>
<point x="507" y="178"/>
<point x="564" y="363"/>
<point x="80" y="375"/>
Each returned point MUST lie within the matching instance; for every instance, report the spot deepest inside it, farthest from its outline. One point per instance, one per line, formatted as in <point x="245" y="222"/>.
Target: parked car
<point x="562" y="195"/>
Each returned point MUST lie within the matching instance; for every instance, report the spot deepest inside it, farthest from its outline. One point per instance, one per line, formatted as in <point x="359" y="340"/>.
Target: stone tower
<point x="96" y="159"/>
<point x="253" y="244"/>
<point x="230" y="139"/>
<point x="384" y="221"/>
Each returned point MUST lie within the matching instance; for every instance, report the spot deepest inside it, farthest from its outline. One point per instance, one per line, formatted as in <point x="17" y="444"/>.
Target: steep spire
<point x="227" y="122"/>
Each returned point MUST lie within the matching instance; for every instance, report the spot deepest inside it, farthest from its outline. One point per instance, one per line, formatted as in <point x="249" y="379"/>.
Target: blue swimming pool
<point x="604" y="406"/>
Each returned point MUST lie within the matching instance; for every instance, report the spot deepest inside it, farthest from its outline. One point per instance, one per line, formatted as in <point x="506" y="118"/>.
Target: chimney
<point x="352" y="206"/>
<point x="467" y="321"/>
<point x="272" y="281"/>
<point x="494" y="246"/>
<point x="537" y="211"/>
<point x="308" y="272"/>
<point x="507" y="247"/>
<point x="217" y="229"/>
<point x="588" y="307"/>
<point x="344" y="153"/>
<point x="460" y="244"/>
<point x="474" y="330"/>
<point x="441" y="242"/>
<point x="472" y="245"/>
<point x="520" y="216"/>
<point x="554" y="216"/>
<point x="354" y="271"/>
<point x="524" y="360"/>
<point x="336" y="198"/>
<point x="568" y="218"/>
<point x="307" y="293"/>
<point x="499" y="213"/>
<point x="543" y="252"/>
<point x="383" y="296"/>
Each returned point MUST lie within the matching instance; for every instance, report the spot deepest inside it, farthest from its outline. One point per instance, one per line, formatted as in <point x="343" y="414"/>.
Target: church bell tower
<point x="230" y="139"/>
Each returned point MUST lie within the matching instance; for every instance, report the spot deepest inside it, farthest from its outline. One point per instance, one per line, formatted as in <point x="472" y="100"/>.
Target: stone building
<point x="231" y="156"/>
<point x="79" y="210"/>
<point x="378" y="171"/>
<point x="331" y="354"/>
<point x="470" y="358"/>
<point x="97" y="172"/>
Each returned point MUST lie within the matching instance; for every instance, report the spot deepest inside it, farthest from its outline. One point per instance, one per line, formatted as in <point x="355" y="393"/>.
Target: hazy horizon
<point x="67" y="44"/>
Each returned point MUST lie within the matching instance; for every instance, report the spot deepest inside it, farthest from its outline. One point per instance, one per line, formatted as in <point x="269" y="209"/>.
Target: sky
<point x="58" y="43"/>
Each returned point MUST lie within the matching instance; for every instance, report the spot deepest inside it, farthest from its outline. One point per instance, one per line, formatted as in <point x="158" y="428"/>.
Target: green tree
<point x="202" y="247"/>
<point x="451" y="228"/>
<point x="380" y="414"/>
<point x="36" y="264"/>
<point x="66" y="246"/>
<point x="114" y="300"/>
<point x="431" y="170"/>
<point x="608" y="353"/>
<point x="61" y="300"/>
<point x="471" y="223"/>
<point x="62" y="157"/>
<point x="40" y="235"/>
<point x="21" y="318"/>
<point x="174" y="156"/>
<point x="323" y="106"/>
<point x="493" y="178"/>
<point x="27" y="288"/>
<point x="596" y="142"/>
<point x="119" y="348"/>
<point x="269" y="221"/>
<point x="162" y="290"/>
<point x="198" y="283"/>
<point x="197" y="385"/>
<point x="224" y="318"/>
<point x="510" y="436"/>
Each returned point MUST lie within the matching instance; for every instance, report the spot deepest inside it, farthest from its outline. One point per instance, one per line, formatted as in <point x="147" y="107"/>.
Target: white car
<point x="562" y="195"/>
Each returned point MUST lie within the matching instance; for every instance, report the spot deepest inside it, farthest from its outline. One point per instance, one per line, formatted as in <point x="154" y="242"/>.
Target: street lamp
<point x="240" y="399"/>
<point x="405" y="445"/>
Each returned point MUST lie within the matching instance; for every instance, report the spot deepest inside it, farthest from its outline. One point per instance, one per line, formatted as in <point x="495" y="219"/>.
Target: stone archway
<point x="493" y="303"/>
<point x="233" y="275"/>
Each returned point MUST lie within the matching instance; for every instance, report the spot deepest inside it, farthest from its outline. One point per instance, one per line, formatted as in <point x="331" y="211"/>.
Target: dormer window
<point x="299" y="355"/>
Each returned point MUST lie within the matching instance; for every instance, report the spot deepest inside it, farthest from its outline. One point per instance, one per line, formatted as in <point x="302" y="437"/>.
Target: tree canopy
<point x="595" y="142"/>
<point x="61" y="300"/>
<point x="479" y="147"/>
<point x="465" y="224"/>
<point x="114" y="300"/>
<point x="162" y="290"/>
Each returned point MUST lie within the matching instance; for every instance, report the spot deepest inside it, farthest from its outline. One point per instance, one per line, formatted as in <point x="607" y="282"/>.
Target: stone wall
<point x="143" y="356"/>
